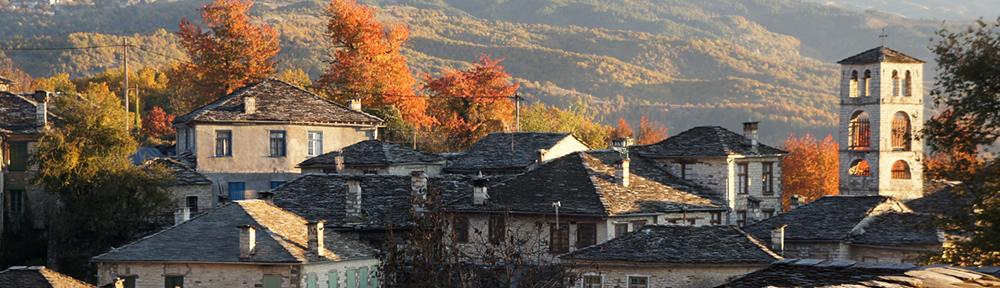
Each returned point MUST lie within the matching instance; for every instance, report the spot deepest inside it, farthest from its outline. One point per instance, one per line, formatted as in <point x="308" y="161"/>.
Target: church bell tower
<point x="881" y="109"/>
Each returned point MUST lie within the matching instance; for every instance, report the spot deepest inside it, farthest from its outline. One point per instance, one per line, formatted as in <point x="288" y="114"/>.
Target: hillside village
<point x="272" y="183"/>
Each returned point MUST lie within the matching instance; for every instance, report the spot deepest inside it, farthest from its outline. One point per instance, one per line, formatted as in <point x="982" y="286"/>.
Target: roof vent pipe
<point x="750" y="132"/>
<point x="249" y="104"/>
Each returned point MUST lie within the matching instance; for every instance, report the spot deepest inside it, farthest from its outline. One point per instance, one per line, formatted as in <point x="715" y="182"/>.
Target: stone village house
<point x="247" y="243"/>
<point x="374" y="157"/>
<point x="840" y="273"/>
<point x="251" y="140"/>
<point x="512" y="153"/>
<point x="670" y="256"/>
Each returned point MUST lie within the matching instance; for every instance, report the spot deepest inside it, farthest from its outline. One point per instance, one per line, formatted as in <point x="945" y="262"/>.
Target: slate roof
<point x="584" y="184"/>
<point x="372" y="153"/>
<point x="669" y="244"/>
<point x="214" y="237"/>
<point x="385" y="199"/>
<point x="184" y="174"/>
<point x="899" y="228"/>
<point x="941" y="198"/>
<point x="17" y="114"/>
<point x="705" y="141"/>
<point x="504" y="152"/>
<point x="828" y="218"/>
<point x="849" y="274"/>
<point x="879" y="54"/>
<point x="37" y="277"/>
<point x="277" y="101"/>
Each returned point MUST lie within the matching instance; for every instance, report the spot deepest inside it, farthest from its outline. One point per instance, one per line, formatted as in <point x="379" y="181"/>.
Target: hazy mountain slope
<point x="963" y="10"/>
<point x="685" y="63"/>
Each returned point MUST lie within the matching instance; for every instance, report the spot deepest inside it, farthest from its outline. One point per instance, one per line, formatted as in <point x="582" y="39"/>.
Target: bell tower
<point x="881" y="109"/>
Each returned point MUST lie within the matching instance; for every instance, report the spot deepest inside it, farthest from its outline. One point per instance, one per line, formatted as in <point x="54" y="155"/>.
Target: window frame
<point x="637" y="224"/>
<point x="901" y="136"/>
<point x="191" y="208"/>
<point x="683" y="170"/>
<point x="900" y="172"/>
<point x="767" y="177"/>
<point x="743" y="178"/>
<point x="741" y="218"/>
<point x="20" y="161"/>
<point x="867" y="172"/>
<point x="16" y="201"/>
<point x="590" y="235"/>
<point x="558" y="238"/>
<point x="314" y="145"/>
<point x="167" y="278"/>
<point x="716" y="218"/>
<point x="628" y="281"/>
<point x="223" y="143"/>
<point x="460" y="229"/>
<point x="497" y="229"/>
<point x="584" y="284"/>
<point x="619" y="225"/>
<point x="274" y="142"/>
<point x="859" y="131"/>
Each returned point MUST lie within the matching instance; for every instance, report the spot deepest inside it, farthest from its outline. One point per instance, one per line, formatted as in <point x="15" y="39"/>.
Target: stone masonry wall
<point x="151" y="275"/>
<point x="675" y="276"/>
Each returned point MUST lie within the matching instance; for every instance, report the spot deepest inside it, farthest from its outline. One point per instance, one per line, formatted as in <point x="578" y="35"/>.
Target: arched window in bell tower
<point x="900" y="170"/>
<point x="901" y="131"/>
<point x="895" y="83"/>
<point x="860" y="168"/>
<point x="859" y="130"/>
<point x="866" y="85"/>
<point x="852" y="91"/>
<point x="907" y="84"/>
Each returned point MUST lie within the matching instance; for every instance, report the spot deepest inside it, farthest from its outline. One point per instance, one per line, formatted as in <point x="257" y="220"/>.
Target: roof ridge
<point x="757" y="242"/>
<point x="605" y="206"/>
<point x="325" y="99"/>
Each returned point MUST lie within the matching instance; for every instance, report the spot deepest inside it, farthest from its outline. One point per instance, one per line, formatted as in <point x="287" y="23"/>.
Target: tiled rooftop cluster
<point x="845" y="274"/>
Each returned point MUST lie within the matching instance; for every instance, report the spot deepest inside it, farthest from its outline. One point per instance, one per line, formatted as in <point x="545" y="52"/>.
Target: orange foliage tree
<point x="650" y="131"/>
<point x="157" y="123"/>
<point x="468" y="104"/>
<point x="810" y="169"/>
<point x="232" y="53"/>
<point x="367" y="63"/>
<point x="623" y="129"/>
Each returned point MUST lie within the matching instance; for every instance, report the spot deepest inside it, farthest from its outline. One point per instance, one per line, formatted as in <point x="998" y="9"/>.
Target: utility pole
<point x="125" y="76"/>
<point x="517" y="112"/>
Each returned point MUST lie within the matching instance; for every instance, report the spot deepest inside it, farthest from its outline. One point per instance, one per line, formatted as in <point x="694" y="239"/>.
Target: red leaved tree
<point x="650" y="131"/>
<point x="157" y="123"/>
<point x="623" y="129"/>
<point x="810" y="169"/>
<point x="233" y="52"/>
<point x="468" y="104"/>
<point x="367" y="63"/>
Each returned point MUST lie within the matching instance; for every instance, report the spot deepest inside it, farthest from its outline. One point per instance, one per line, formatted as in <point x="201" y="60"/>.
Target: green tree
<point x="578" y="120"/>
<point x="967" y="90"/>
<point x="104" y="200"/>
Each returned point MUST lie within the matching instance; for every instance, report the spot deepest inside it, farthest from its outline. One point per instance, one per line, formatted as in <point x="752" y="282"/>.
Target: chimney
<point x="750" y="132"/>
<point x="182" y="215"/>
<point x="479" y="194"/>
<point x="249" y="104"/>
<point x="795" y="201"/>
<point x="541" y="155"/>
<point x="355" y="105"/>
<point x="622" y="172"/>
<point x="338" y="162"/>
<point x="778" y="240"/>
<point x="353" y="208"/>
<point x="314" y="233"/>
<point x="621" y="143"/>
<point x="248" y="241"/>
<point x="5" y="84"/>
<point x="418" y="183"/>
<point x="42" y="110"/>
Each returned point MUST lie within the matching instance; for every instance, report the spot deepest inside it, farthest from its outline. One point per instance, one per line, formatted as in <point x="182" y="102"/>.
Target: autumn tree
<point x="810" y="169"/>
<point x="297" y="77"/>
<point x="966" y="90"/>
<point x="578" y="119"/>
<point x="10" y="70"/>
<point x="368" y="65"/>
<point x="468" y="104"/>
<point x="650" y="131"/>
<point x="157" y="123"/>
<point x="622" y="129"/>
<point x="104" y="200"/>
<point x="231" y="53"/>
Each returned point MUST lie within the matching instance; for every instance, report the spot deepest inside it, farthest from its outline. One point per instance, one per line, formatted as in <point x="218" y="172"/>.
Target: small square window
<point x="192" y="204"/>
<point x="620" y="229"/>
<point x="638" y="282"/>
<point x="173" y="282"/>
<point x="592" y="281"/>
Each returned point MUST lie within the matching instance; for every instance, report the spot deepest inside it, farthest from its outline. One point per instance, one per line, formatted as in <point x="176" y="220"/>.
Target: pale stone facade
<point x="243" y="275"/>
<point x="722" y="174"/>
<point x="614" y="275"/>
<point x="534" y="230"/>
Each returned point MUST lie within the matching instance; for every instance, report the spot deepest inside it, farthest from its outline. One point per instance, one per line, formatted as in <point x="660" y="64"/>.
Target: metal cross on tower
<point x="883" y="36"/>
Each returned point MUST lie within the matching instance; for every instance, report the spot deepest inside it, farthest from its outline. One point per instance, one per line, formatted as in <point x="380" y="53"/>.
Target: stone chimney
<point x="355" y="105"/>
<point x="248" y="241"/>
<point x="622" y="172"/>
<point x="418" y="183"/>
<point x="795" y="201"/>
<point x="750" y="132"/>
<point x="778" y="240"/>
<point x="5" y="84"/>
<point x="249" y="104"/>
<point x="338" y="163"/>
<point x="479" y="193"/>
<point x="353" y="207"/>
<point x="621" y="143"/>
<point x="42" y="110"/>
<point x="314" y="234"/>
<point x="541" y="155"/>
<point x="182" y="215"/>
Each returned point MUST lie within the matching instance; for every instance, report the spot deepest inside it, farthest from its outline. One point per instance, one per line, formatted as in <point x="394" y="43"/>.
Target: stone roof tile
<point x="879" y="54"/>
<point x="504" y="152"/>
<point x="802" y="273"/>
<point x="184" y="174"/>
<point x="372" y="153"/>
<point x="668" y="244"/>
<point x="38" y="277"/>
<point x="17" y="114"/>
<point x="830" y="218"/>
<point x="705" y="141"/>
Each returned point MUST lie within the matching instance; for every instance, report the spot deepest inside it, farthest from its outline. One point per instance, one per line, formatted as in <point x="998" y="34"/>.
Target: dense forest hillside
<point x="951" y="10"/>
<point x="684" y="63"/>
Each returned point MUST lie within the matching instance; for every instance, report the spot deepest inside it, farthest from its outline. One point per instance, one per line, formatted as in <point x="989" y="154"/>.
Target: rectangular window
<point x="272" y="281"/>
<point x="173" y="282"/>
<point x="192" y="204"/>
<point x="636" y="225"/>
<point x="684" y="170"/>
<point x="18" y="156"/>
<point x="767" y="177"/>
<point x="558" y="238"/>
<point x="620" y="229"/>
<point x="592" y="281"/>
<point x="275" y="184"/>
<point x="497" y="229"/>
<point x="237" y="190"/>
<point x="129" y="281"/>
<point x="716" y="218"/>
<point x="767" y="212"/>
<point x="187" y="139"/>
<point x="741" y="218"/>
<point x="638" y="282"/>
<point x="16" y="201"/>
<point x="277" y="143"/>
<point x="223" y="143"/>
<point x="742" y="178"/>
<point x="586" y="234"/>
<point x="315" y="143"/>
<point x="461" y="227"/>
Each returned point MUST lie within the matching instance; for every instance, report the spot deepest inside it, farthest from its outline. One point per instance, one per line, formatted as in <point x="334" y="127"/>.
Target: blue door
<point x="236" y="190"/>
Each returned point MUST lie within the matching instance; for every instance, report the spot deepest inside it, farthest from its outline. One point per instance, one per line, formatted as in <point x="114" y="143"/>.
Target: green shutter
<point x="373" y="283"/>
<point x="333" y="279"/>
<point x="351" y="279"/>
<point x="363" y="277"/>
<point x="272" y="281"/>
<point x="311" y="280"/>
